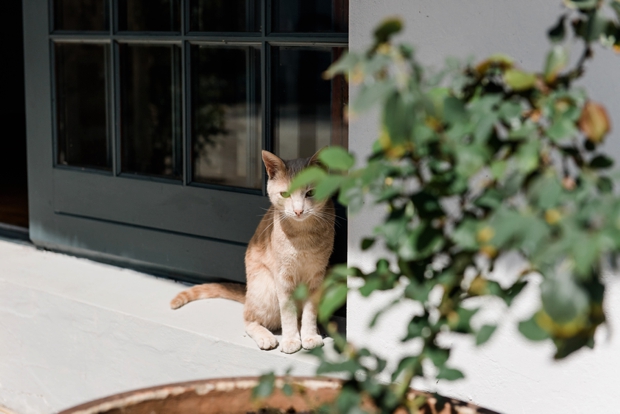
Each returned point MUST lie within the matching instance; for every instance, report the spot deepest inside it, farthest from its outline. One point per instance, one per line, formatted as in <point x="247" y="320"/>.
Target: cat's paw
<point x="312" y="341"/>
<point x="290" y="345"/>
<point x="267" y="342"/>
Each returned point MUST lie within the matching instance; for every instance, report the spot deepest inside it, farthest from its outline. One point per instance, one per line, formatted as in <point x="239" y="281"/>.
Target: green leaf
<point x="449" y="374"/>
<point x="398" y="117"/>
<point x="491" y="198"/>
<point x="370" y="95"/>
<point x="345" y="64"/>
<point x="427" y="205"/>
<point x="563" y="300"/>
<point x="454" y="110"/>
<point x="287" y="389"/>
<point x="545" y="192"/>
<point x="328" y="186"/>
<point x="301" y="292"/>
<point x="421" y="242"/>
<point x="350" y="366"/>
<point x="586" y="253"/>
<point x="562" y="129"/>
<point x="510" y="111"/>
<point x="605" y="185"/>
<point x="438" y="356"/>
<point x="367" y="243"/>
<point x="470" y="159"/>
<point x="528" y="156"/>
<point x="484" y="334"/>
<point x="532" y="331"/>
<point x="519" y="80"/>
<point x="265" y="386"/>
<point x="310" y="175"/>
<point x="388" y="28"/>
<point x="498" y="169"/>
<point x="556" y="33"/>
<point x="465" y="235"/>
<point x="411" y="364"/>
<point x="333" y="298"/>
<point x="336" y="158"/>
<point x="557" y="59"/>
<point x="601" y="161"/>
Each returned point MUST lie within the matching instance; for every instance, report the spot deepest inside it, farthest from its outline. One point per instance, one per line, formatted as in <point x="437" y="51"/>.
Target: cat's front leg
<point x="310" y="337"/>
<point x="291" y="341"/>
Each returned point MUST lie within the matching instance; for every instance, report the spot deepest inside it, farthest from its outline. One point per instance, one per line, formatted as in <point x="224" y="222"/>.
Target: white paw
<point x="290" y="345"/>
<point x="312" y="341"/>
<point x="267" y="342"/>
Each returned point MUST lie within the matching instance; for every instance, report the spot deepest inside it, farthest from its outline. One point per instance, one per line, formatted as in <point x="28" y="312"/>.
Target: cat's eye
<point x="285" y="194"/>
<point x="310" y="193"/>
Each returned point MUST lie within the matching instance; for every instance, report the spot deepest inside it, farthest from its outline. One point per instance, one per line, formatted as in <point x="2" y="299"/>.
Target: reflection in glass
<point x="226" y="139"/>
<point x="224" y="15"/>
<point x="81" y="115"/>
<point x="81" y="15"/>
<point x="150" y="15"/>
<point x="307" y="109"/>
<point x="311" y="16"/>
<point x="151" y="110"/>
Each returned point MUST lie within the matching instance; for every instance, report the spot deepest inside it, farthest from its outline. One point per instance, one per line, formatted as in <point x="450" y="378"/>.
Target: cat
<point x="291" y="246"/>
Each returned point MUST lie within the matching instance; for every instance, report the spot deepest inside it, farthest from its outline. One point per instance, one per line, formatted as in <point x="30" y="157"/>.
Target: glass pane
<point x="225" y="15"/>
<point x="80" y="15"/>
<point x="81" y="84"/>
<point x="151" y="110"/>
<point x="311" y="16"/>
<point x="226" y="138"/>
<point x="307" y="109"/>
<point x="150" y="15"/>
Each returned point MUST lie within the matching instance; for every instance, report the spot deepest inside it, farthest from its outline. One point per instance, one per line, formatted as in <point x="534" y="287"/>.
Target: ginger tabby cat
<point x="291" y="246"/>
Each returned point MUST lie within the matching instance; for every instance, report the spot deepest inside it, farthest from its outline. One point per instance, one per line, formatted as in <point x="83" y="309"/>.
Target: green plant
<point x="472" y="163"/>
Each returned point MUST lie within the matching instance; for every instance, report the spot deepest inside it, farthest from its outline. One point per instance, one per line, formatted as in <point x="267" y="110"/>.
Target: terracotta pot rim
<point x="203" y="386"/>
<point x="224" y="384"/>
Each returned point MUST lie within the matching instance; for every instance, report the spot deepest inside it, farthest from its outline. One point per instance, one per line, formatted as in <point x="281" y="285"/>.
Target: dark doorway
<point x="13" y="172"/>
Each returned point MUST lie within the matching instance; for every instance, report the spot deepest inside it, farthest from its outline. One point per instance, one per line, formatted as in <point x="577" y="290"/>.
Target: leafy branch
<point x="473" y="163"/>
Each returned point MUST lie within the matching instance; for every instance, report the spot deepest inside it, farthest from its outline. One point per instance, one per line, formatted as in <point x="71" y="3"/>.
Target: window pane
<point x="81" y="84"/>
<point x="225" y="15"/>
<point x="151" y="110"/>
<point x="307" y="109"/>
<point x="311" y="16"/>
<point x="80" y="15"/>
<point x="226" y="138"/>
<point x="150" y="15"/>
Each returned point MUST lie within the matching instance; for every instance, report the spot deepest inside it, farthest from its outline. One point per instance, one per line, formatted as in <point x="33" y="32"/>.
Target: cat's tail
<point x="232" y="291"/>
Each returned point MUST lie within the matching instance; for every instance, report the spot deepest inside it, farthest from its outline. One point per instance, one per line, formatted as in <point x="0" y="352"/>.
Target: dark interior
<point x="13" y="171"/>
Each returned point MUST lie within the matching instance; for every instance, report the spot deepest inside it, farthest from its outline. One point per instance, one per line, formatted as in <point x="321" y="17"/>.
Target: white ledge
<point x="73" y="330"/>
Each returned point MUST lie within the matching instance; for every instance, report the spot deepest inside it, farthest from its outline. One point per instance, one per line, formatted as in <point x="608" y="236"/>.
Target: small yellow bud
<point x="552" y="216"/>
<point x="485" y="234"/>
<point x="489" y="251"/>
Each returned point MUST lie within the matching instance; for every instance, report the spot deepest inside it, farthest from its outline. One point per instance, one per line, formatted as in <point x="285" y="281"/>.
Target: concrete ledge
<point x="73" y="330"/>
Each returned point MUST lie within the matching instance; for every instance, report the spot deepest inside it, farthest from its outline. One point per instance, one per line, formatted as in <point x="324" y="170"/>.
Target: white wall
<point x="508" y="374"/>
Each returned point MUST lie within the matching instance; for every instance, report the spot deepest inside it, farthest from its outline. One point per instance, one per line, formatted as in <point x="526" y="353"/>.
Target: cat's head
<point x="299" y="204"/>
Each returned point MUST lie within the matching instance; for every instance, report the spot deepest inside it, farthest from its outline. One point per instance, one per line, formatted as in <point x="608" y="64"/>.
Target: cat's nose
<point x="299" y="212"/>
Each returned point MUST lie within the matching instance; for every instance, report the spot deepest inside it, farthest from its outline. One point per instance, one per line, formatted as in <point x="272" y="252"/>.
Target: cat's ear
<point x="273" y="164"/>
<point x="314" y="160"/>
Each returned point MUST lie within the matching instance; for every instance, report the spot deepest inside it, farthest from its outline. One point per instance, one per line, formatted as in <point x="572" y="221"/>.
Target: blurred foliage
<point x="471" y="163"/>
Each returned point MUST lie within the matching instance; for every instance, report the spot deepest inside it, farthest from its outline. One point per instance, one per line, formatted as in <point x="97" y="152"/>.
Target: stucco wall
<point x="508" y="373"/>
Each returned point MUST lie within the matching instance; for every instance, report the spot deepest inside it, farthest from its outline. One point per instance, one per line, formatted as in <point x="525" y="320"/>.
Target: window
<point x="190" y="91"/>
